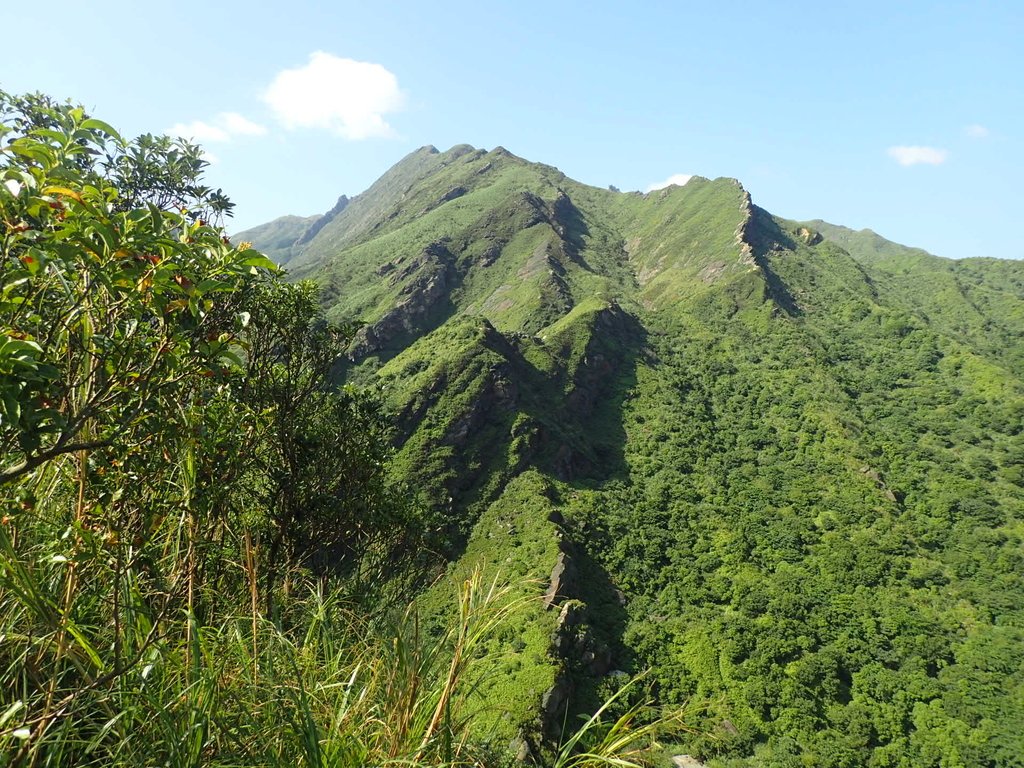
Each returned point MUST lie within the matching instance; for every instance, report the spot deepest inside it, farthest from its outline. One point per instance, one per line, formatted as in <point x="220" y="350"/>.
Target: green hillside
<point x="779" y="464"/>
<point x="277" y="238"/>
<point x="976" y="300"/>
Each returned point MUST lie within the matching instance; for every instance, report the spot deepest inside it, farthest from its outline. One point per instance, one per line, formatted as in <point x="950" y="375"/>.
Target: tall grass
<point x="336" y="688"/>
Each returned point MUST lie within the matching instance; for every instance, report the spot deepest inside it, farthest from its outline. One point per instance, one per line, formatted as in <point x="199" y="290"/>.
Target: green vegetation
<point x="203" y="559"/>
<point x="783" y="462"/>
<point x="277" y="237"/>
<point x="531" y="439"/>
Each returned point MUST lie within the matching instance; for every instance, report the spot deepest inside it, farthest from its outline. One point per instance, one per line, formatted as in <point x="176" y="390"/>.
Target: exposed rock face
<point x="879" y="481"/>
<point x="451" y="194"/>
<point x="809" y="236"/>
<point x="573" y="641"/>
<point x="520" y="747"/>
<point x="596" y="657"/>
<point x="323" y="221"/>
<point x="500" y="394"/>
<point x="431" y="273"/>
<point x="553" y="703"/>
<point x="491" y="255"/>
<point x="743" y="230"/>
<point x="761" y="239"/>
<point x="537" y="206"/>
<point x="563" y="581"/>
<point x="564" y="214"/>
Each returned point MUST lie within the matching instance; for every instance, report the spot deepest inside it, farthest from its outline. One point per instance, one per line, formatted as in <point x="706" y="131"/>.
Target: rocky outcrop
<point x="323" y="221"/>
<point x="760" y="238"/>
<point x="427" y="280"/>
<point x="521" y="749"/>
<point x="809" y="236"/>
<point x="875" y="476"/>
<point x="562" y="582"/>
<point x="553" y="703"/>
<point x="451" y="194"/>
<point x="686" y="761"/>
<point x="614" y="335"/>
<point x="743" y="230"/>
<point x="491" y="254"/>
<point x="500" y="394"/>
<point x="572" y="641"/>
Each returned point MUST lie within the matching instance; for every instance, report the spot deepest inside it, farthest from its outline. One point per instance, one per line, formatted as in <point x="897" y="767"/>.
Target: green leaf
<point x="107" y="234"/>
<point x="232" y="357"/>
<point x="208" y="286"/>
<point x="258" y="260"/>
<point x="92" y="124"/>
<point x="11" y="711"/>
<point x="48" y="133"/>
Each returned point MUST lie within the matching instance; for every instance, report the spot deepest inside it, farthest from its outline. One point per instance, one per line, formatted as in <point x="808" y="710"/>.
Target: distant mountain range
<point x="781" y="464"/>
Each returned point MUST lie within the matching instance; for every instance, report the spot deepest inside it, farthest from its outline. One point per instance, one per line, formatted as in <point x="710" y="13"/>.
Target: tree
<point x="163" y="397"/>
<point x="111" y="300"/>
<point x="321" y="452"/>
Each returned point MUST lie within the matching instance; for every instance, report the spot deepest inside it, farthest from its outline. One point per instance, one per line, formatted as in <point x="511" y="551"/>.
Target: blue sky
<point x="905" y="117"/>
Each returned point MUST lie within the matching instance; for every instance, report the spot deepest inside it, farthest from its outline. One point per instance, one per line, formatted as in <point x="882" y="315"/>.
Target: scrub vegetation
<point x="505" y="469"/>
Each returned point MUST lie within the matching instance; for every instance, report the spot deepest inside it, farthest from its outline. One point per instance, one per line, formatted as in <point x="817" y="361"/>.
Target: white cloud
<point x="237" y="125"/>
<point x="679" y="179"/>
<point x="224" y="127"/>
<point x="918" y="155"/>
<point x="199" y="131"/>
<point x="345" y="96"/>
<point x="976" y="131"/>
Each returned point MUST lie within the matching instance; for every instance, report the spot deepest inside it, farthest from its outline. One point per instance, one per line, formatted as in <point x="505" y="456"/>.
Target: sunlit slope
<point x="784" y="461"/>
<point x="976" y="300"/>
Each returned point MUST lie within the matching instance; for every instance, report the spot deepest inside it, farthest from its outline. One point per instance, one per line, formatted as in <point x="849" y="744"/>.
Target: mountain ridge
<point x="784" y="460"/>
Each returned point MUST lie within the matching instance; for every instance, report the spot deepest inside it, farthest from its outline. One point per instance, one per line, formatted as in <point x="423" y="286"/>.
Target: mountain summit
<point x="778" y="463"/>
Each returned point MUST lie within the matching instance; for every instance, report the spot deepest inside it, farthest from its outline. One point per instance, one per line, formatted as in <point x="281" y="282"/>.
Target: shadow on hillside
<point x="599" y="651"/>
<point x="351" y="366"/>
<point x="572" y="228"/>
<point x="766" y="238"/>
<point x="583" y="437"/>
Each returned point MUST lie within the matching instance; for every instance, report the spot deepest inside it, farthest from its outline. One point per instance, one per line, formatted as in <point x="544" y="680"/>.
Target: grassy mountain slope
<point x="977" y="300"/>
<point x="781" y="464"/>
<point x="277" y="238"/>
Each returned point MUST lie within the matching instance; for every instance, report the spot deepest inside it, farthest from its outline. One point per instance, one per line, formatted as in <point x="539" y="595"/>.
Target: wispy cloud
<point x="237" y="125"/>
<point x="221" y="129"/>
<point x="678" y="179"/>
<point x="918" y="155"/>
<point x="976" y="131"/>
<point x="344" y="96"/>
<point x="199" y="131"/>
